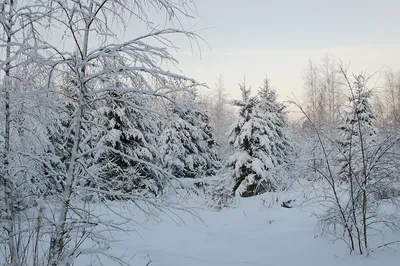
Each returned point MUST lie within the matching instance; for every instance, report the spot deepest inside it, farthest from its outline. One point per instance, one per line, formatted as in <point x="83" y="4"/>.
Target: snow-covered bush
<point x="218" y="193"/>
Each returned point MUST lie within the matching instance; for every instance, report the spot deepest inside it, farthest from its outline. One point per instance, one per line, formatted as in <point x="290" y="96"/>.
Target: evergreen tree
<point x="280" y="146"/>
<point x="128" y="158"/>
<point x="60" y="137"/>
<point x="358" y="132"/>
<point x="260" y="143"/>
<point x="188" y="144"/>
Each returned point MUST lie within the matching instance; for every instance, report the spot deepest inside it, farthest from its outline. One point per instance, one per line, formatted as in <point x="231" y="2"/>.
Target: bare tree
<point x="357" y="166"/>
<point x="221" y="113"/>
<point x="323" y="93"/>
<point x="391" y="92"/>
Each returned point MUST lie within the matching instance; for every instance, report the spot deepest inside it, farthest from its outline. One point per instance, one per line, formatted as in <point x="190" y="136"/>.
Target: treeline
<point x="326" y="93"/>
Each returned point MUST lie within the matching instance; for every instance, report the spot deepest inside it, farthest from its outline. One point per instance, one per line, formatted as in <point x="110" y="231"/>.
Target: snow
<point x="257" y="231"/>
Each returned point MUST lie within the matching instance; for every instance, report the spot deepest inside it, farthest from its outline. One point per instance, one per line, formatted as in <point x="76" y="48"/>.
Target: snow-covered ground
<point x="252" y="233"/>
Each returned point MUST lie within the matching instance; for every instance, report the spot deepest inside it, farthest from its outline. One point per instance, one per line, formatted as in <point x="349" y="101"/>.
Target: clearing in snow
<point x="257" y="231"/>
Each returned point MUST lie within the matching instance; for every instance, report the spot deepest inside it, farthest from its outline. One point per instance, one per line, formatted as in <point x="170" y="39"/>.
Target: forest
<point x="101" y="132"/>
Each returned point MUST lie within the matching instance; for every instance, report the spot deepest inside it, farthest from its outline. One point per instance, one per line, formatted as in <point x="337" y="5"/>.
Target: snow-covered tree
<point x="20" y="22"/>
<point x="188" y="143"/>
<point x="259" y="141"/>
<point x="358" y="132"/>
<point x="94" y="54"/>
<point x="130" y="160"/>
<point x="357" y="152"/>
<point x="221" y="112"/>
<point x="280" y="146"/>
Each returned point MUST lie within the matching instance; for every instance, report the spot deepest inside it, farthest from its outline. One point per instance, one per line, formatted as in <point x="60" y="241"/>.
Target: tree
<point x="357" y="142"/>
<point x="188" y="144"/>
<point x="323" y="91"/>
<point x="259" y="143"/>
<point x="391" y="95"/>
<point x="94" y="54"/>
<point x="358" y="130"/>
<point x="129" y="130"/>
<point x="20" y="42"/>
<point x="314" y="97"/>
<point x="279" y="142"/>
<point x="221" y="113"/>
<point x="365" y="162"/>
<point x="330" y="88"/>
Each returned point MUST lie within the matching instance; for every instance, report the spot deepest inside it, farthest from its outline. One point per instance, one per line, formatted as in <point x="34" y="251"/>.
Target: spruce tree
<point x="60" y="137"/>
<point x="188" y="143"/>
<point x="357" y="132"/>
<point x="274" y="111"/>
<point x="260" y="143"/>
<point x="128" y="159"/>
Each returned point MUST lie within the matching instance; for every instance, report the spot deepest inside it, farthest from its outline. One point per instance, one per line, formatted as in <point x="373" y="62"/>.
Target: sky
<point x="255" y="38"/>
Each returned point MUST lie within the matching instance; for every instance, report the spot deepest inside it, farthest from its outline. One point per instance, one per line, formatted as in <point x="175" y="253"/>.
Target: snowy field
<point x="257" y="231"/>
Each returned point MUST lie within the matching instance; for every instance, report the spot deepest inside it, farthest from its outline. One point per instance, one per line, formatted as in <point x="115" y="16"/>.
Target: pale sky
<point x="255" y="38"/>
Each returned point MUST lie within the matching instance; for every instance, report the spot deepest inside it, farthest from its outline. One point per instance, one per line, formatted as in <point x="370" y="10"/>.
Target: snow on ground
<point x="252" y="233"/>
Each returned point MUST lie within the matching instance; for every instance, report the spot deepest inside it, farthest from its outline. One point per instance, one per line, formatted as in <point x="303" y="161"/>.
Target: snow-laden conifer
<point x="259" y="141"/>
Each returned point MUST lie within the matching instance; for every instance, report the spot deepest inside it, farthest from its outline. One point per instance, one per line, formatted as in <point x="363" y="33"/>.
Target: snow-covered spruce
<point x="358" y="133"/>
<point x="128" y="158"/>
<point x="259" y="141"/>
<point x="188" y="143"/>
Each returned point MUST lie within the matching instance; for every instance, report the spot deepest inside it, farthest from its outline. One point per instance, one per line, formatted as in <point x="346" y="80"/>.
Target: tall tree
<point x="359" y="155"/>
<point x="313" y="95"/>
<point x="19" y="41"/>
<point x="93" y="55"/>
<point x="358" y="132"/>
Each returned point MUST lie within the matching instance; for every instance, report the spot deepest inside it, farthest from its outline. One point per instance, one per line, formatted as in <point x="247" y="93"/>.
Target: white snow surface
<point x="256" y="232"/>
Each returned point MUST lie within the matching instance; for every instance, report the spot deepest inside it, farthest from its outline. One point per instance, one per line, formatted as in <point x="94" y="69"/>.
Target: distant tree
<point x="221" y="114"/>
<point x="380" y="108"/>
<point x="313" y="96"/>
<point x="391" y="95"/>
<point x="323" y="91"/>
<point x="330" y="85"/>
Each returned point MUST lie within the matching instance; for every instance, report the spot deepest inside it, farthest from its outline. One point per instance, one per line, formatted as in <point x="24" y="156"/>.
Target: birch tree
<point x="19" y="43"/>
<point x="314" y="98"/>
<point x="324" y="96"/>
<point x="391" y="94"/>
<point x="222" y="115"/>
<point x="93" y="54"/>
